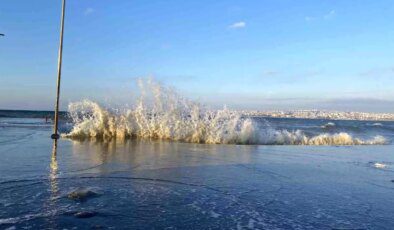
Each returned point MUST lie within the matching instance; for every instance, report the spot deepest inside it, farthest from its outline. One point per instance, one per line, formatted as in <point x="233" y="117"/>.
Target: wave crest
<point x="165" y="115"/>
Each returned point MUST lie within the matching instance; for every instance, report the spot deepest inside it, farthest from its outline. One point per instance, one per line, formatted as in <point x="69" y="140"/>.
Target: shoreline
<point x="324" y="115"/>
<point x="320" y="118"/>
<point x="296" y="114"/>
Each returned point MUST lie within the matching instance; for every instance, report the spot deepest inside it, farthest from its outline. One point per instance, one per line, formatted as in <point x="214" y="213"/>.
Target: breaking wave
<point x="162" y="114"/>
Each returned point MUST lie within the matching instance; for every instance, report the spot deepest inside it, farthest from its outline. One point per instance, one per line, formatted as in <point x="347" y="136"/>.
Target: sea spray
<point x="160" y="113"/>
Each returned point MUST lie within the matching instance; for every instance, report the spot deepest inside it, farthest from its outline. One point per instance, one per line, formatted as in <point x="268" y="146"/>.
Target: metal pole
<point x="55" y="135"/>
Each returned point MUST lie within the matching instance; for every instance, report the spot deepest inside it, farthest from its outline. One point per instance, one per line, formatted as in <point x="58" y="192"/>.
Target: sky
<point x="256" y="54"/>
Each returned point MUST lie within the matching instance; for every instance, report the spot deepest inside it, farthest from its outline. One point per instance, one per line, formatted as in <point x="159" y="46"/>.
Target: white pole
<point x="55" y="135"/>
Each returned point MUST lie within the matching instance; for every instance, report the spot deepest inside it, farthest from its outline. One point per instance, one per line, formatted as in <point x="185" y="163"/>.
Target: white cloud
<point x="238" y="25"/>
<point x="330" y="14"/>
<point x="308" y="19"/>
<point x="88" y="11"/>
<point x="326" y="16"/>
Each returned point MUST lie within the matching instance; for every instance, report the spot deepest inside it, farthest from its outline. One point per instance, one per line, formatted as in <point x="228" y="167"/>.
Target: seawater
<point x="167" y="162"/>
<point x="144" y="183"/>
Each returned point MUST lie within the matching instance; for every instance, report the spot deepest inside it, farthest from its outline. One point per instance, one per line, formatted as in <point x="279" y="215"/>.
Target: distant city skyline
<point x="259" y="55"/>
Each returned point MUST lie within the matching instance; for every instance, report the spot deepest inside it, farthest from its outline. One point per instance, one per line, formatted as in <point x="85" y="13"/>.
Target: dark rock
<point x="82" y="194"/>
<point x="392" y="181"/>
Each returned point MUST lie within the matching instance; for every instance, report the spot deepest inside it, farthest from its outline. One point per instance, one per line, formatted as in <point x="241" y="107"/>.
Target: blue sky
<point x="258" y="54"/>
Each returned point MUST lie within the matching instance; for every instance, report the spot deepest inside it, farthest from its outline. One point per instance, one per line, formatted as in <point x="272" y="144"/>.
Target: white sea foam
<point x="328" y="125"/>
<point x="377" y="124"/>
<point x="379" y="165"/>
<point x="160" y="113"/>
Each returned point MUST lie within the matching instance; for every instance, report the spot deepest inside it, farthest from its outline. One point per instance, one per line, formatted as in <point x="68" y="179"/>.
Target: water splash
<point x="160" y="113"/>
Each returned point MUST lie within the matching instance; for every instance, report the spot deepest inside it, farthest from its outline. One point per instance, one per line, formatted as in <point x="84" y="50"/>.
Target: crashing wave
<point x="163" y="114"/>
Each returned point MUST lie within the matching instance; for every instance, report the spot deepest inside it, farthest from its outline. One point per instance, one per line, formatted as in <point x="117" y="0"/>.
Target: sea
<point x="170" y="163"/>
<point x="91" y="180"/>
